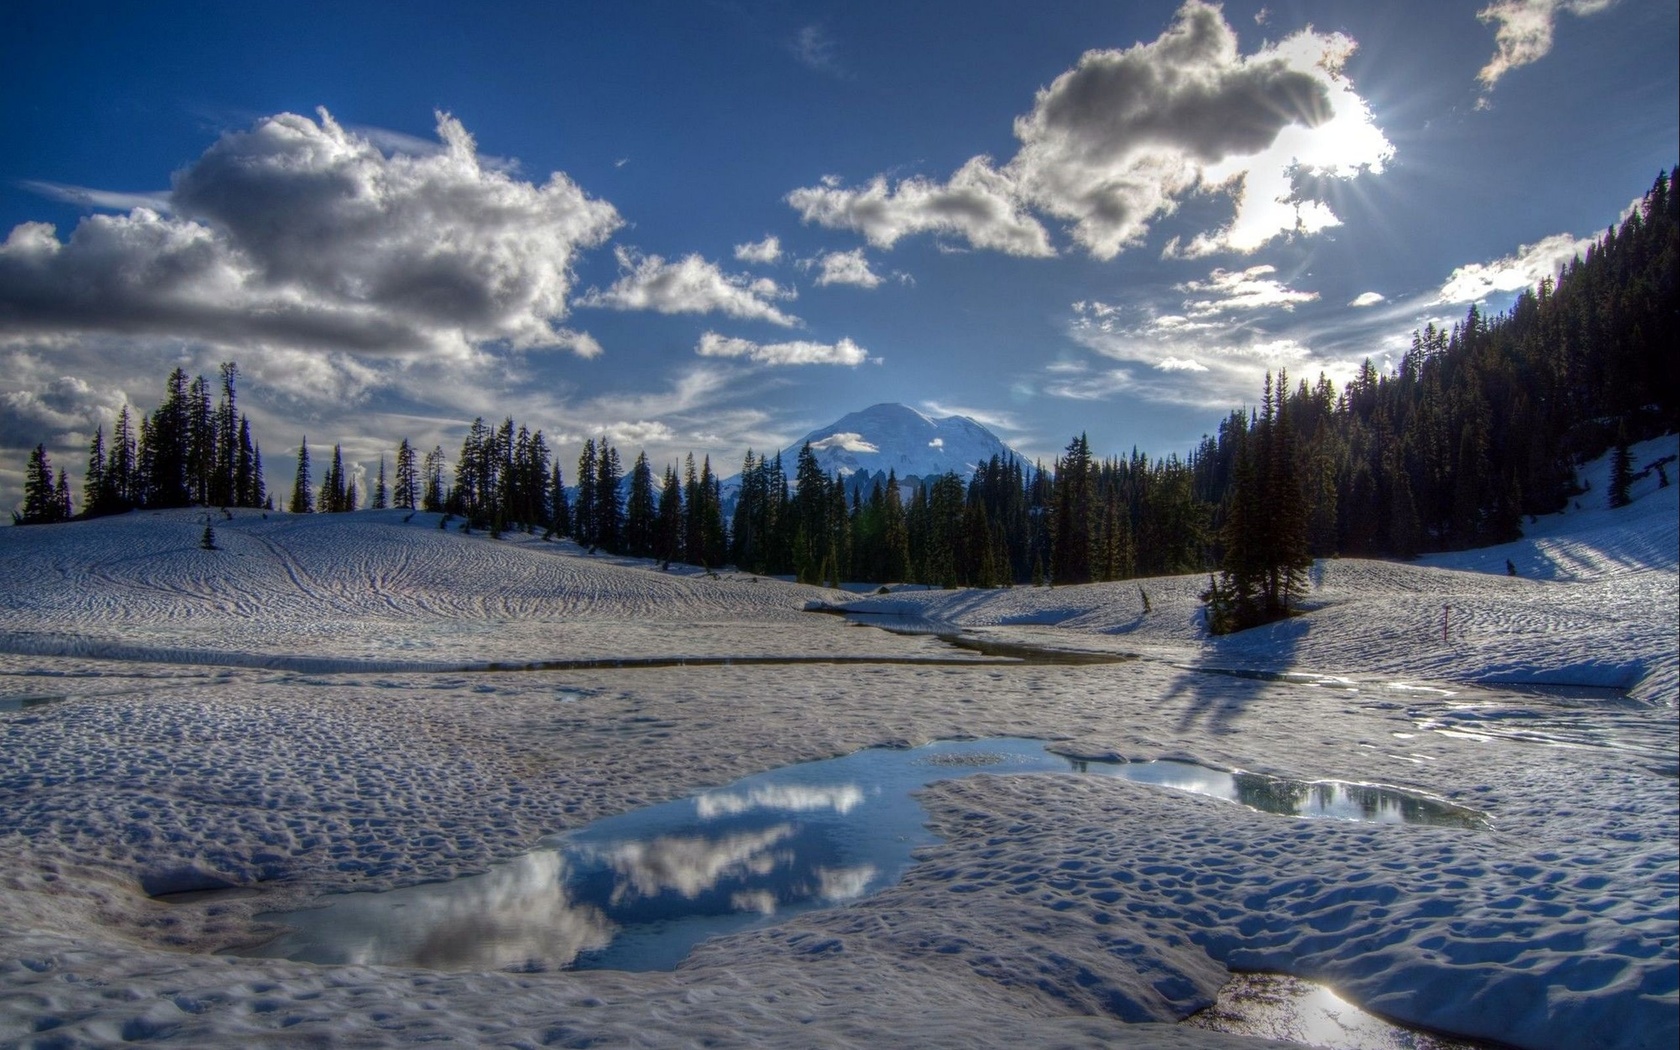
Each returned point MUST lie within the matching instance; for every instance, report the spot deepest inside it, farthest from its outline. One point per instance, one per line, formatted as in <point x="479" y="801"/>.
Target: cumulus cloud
<point x="61" y="409"/>
<point x="766" y="251"/>
<point x="1227" y="291"/>
<point x="978" y="204"/>
<point x="690" y="285"/>
<point x="640" y="433"/>
<point x="1475" y="282"/>
<point x="1179" y="364"/>
<point x="1523" y="31"/>
<point x="800" y="352"/>
<point x="580" y="343"/>
<point x="1113" y="144"/>
<point x="1364" y="299"/>
<point x="299" y="234"/>
<point x="844" y="268"/>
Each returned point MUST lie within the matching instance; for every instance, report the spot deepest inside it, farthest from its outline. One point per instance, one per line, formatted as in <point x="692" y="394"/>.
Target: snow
<point x="362" y="702"/>
<point x="892" y="437"/>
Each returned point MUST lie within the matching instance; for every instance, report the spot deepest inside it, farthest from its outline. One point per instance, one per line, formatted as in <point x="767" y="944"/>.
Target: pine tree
<point x="433" y="498"/>
<point x="408" y="478"/>
<point x="303" y="500"/>
<point x="667" y="544"/>
<point x="609" y="503"/>
<point x="40" y="499"/>
<point x="584" y="517"/>
<point x="93" y="483"/>
<point x="123" y="464"/>
<point x="639" y="511"/>
<point x="1074" y="513"/>
<point x="380" y="496"/>
<point x="1621" y="471"/>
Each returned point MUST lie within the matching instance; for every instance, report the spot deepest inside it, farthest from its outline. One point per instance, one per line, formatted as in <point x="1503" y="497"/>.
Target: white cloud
<point x="691" y="285"/>
<point x="639" y="433"/>
<point x="1524" y="31"/>
<point x="978" y="204"/>
<point x="844" y="268"/>
<point x="580" y="343"/>
<point x="801" y="352"/>
<point x="302" y="235"/>
<point x="1180" y="364"/>
<point x="1475" y="282"/>
<point x="1364" y="299"/>
<point x="766" y="251"/>
<point x="1113" y="144"/>
<point x="1227" y="291"/>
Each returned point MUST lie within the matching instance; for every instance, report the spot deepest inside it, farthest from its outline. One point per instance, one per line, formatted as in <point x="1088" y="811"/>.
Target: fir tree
<point x="381" y="497"/>
<point x="40" y="498"/>
<point x="303" y="500"/>
<point x="584" y="517"/>
<point x="1074" y="510"/>
<point x="639" y="511"/>
<point x="1621" y="471"/>
<point x="407" y="490"/>
<point x="667" y="545"/>
<point x="434" y="497"/>
<point x="609" y="502"/>
<point x="94" y="488"/>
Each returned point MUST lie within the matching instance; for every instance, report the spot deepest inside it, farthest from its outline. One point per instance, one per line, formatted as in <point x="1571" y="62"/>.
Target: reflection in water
<point x="517" y="916"/>
<point x="639" y="890"/>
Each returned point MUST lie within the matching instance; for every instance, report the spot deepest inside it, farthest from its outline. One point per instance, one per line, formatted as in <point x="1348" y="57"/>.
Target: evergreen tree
<point x="1074" y="510"/>
<point x="667" y="544"/>
<point x="407" y="491"/>
<point x="585" y="520"/>
<point x="94" y="488"/>
<point x="380" y="496"/>
<point x="123" y="464"/>
<point x="303" y="500"/>
<point x="433" y="496"/>
<point x="609" y="502"/>
<point x="247" y="470"/>
<point x="41" y="505"/>
<point x="639" y="511"/>
<point x="1621" y="471"/>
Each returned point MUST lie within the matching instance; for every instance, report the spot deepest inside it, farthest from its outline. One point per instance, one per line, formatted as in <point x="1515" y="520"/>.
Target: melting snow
<point x="312" y="709"/>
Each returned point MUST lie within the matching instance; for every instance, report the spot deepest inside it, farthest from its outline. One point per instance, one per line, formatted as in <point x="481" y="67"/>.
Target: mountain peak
<point x="894" y="437"/>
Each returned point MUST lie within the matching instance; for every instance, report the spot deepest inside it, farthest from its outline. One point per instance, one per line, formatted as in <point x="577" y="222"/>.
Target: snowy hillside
<point x="1594" y="603"/>
<point x="892" y="437"/>
<point x="359" y="702"/>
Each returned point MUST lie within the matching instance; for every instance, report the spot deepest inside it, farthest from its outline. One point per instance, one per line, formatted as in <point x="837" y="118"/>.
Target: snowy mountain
<point x="893" y="437"/>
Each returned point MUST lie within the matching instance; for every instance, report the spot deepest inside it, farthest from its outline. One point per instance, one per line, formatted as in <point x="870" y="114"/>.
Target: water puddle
<point x="639" y="890"/>
<point x="1272" y="1006"/>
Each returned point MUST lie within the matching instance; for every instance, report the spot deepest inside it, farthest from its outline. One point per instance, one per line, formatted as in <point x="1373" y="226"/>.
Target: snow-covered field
<point x="357" y="702"/>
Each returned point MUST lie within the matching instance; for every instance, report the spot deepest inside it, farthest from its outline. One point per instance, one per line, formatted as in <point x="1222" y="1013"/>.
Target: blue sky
<point x="713" y="226"/>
